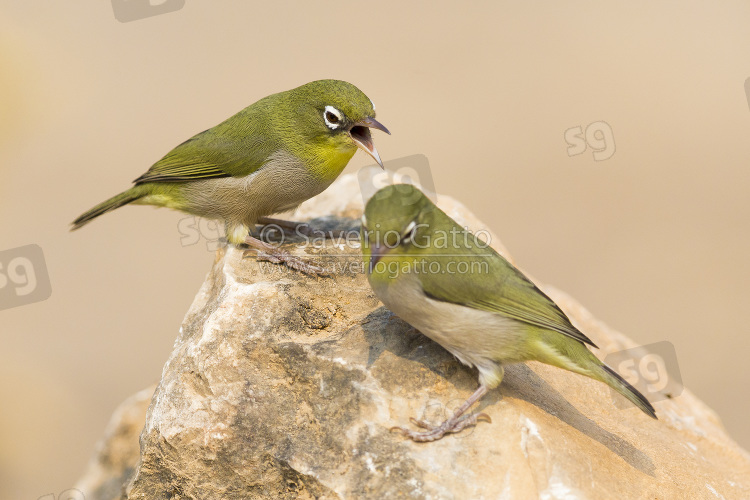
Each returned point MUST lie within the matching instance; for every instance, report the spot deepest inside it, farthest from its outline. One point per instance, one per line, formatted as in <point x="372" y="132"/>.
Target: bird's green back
<point x="468" y="271"/>
<point x="287" y="121"/>
<point x="236" y="147"/>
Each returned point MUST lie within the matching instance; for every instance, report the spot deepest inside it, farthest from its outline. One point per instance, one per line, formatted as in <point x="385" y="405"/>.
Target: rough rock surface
<point x="284" y="386"/>
<point x="117" y="453"/>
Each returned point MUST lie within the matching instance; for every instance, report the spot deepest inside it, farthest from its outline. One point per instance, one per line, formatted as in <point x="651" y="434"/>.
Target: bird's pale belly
<point x="242" y="200"/>
<point x="477" y="338"/>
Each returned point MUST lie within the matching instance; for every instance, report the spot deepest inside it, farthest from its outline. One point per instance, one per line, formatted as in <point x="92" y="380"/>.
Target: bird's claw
<point x="435" y="432"/>
<point x="485" y="417"/>
<point x="402" y="430"/>
<point x="289" y="260"/>
<point x="421" y="423"/>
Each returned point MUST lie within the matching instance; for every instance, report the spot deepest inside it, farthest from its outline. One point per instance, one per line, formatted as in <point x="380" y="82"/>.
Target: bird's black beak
<point x="360" y="133"/>
<point x="376" y="253"/>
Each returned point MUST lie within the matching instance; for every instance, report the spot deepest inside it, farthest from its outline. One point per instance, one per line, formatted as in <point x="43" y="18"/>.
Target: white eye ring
<point x="339" y="117"/>
<point x="409" y="232"/>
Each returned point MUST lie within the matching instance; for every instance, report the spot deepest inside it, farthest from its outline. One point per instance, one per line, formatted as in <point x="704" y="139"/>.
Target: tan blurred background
<point x="653" y="240"/>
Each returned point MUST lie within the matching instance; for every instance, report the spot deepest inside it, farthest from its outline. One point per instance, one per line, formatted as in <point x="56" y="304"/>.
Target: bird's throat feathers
<point x="327" y="161"/>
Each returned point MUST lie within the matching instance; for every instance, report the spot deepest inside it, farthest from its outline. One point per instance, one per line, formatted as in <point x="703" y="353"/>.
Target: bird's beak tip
<point x="376" y="253"/>
<point x="373" y="123"/>
<point x="364" y="139"/>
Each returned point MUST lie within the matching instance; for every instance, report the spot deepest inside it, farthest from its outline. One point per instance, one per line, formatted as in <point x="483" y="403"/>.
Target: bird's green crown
<point x="397" y="215"/>
<point x="324" y="122"/>
<point x="340" y="95"/>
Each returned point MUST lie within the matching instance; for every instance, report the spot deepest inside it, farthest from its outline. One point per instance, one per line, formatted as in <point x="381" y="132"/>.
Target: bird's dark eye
<point x="333" y="117"/>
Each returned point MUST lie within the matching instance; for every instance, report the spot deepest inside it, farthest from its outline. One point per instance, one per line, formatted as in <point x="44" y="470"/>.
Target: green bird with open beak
<point x="455" y="289"/>
<point x="268" y="158"/>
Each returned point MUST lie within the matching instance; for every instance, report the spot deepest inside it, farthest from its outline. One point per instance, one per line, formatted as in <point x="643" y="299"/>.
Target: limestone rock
<point x="285" y="386"/>
<point x="117" y="453"/>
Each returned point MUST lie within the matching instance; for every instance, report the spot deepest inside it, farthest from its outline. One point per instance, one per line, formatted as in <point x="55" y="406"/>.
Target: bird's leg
<point x="456" y="423"/>
<point x="301" y="228"/>
<point x="276" y="255"/>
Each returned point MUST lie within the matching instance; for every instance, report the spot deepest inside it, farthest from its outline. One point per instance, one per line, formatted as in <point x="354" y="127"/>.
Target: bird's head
<point x="335" y="117"/>
<point x="396" y="225"/>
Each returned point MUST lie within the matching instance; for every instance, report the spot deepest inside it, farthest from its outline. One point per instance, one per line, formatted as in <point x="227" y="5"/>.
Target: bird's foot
<point x="435" y="432"/>
<point x="273" y="254"/>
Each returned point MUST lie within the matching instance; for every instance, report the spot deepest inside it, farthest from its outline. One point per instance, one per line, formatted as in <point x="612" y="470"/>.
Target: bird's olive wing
<point x="212" y="154"/>
<point x="491" y="283"/>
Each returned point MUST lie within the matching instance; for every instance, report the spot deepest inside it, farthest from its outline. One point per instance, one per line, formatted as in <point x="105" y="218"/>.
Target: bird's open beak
<point x="360" y="133"/>
<point x="376" y="253"/>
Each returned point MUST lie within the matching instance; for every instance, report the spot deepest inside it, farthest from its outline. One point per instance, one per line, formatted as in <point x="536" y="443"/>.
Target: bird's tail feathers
<point x="574" y="356"/>
<point x="121" y="199"/>
<point x="616" y="382"/>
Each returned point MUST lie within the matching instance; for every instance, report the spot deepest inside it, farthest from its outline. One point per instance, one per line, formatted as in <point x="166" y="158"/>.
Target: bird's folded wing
<point x="499" y="287"/>
<point x="208" y="156"/>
